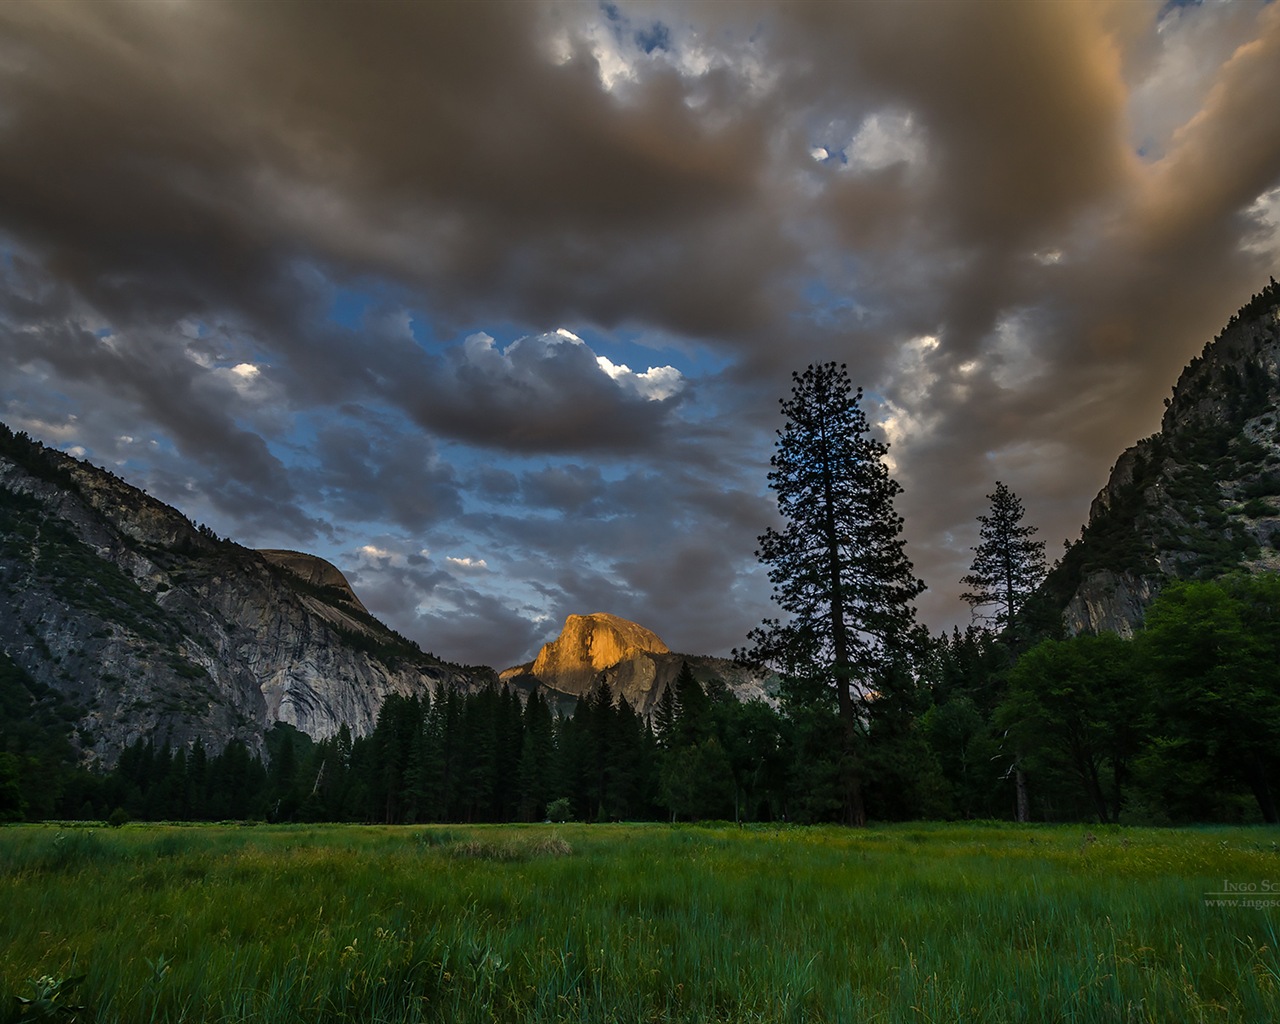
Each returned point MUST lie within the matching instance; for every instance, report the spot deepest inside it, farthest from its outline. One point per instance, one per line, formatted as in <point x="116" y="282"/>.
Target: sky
<point x="491" y="304"/>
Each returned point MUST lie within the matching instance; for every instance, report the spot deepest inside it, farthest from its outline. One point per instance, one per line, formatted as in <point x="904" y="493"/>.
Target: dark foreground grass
<point x="637" y="923"/>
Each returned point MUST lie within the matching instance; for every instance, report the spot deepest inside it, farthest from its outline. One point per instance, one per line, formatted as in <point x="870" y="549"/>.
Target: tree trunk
<point x="1023" y="805"/>
<point x="855" y="810"/>
<point x="1094" y="785"/>
<point x="1262" y="792"/>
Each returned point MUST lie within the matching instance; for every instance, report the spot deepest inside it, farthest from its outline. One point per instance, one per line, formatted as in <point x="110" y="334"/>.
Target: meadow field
<point x="631" y="923"/>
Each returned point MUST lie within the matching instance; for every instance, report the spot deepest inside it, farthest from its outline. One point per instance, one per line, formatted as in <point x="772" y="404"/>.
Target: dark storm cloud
<point x="195" y="404"/>
<point x="368" y="474"/>
<point x="1065" y="281"/>
<point x="573" y="490"/>
<point x="539" y="394"/>
<point x="417" y="600"/>
<point x="1015" y="222"/>
<point x="484" y="630"/>
<point x="177" y="161"/>
<point x="195" y="164"/>
<point x="1018" y="106"/>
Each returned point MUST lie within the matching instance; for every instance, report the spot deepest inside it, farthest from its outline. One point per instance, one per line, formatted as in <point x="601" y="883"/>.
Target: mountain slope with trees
<point x="1139" y="681"/>
<point x="1197" y="499"/>
<point x="138" y="624"/>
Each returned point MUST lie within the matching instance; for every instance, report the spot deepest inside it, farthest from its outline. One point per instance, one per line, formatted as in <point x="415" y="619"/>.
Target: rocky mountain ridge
<point x="633" y="660"/>
<point x="144" y="625"/>
<point x="1197" y="499"/>
<point x="317" y="572"/>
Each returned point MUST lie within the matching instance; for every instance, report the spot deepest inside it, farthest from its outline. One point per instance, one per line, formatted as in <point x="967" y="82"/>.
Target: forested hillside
<point x="1197" y="499"/>
<point x="141" y="624"/>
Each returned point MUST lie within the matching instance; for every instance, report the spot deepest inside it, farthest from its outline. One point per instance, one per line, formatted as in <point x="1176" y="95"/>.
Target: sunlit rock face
<point x="142" y="625"/>
<point x="633" y="660"/>
<point x="1198" y="499"/>
<point x="588" y="645"/>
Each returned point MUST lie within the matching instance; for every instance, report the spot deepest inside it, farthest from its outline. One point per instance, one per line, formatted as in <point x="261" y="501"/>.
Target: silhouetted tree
<point x="12" y="806"/>
<point x="1008" y="565"/>
<point x="696" y="780"/>
<point x="537" y="753"/>
<point x="751" y="736"/>
<point x="664" y="713"/>
<point x="692" y="723"/>
<point x="839" y="566"/>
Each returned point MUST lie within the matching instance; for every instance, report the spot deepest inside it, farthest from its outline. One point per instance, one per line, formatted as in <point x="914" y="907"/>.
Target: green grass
<point x="637" y="923"/>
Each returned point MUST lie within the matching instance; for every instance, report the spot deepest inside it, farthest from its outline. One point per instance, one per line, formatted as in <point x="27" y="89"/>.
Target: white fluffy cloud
<point x="654" y="384"/>
<point x="373" y="553"/>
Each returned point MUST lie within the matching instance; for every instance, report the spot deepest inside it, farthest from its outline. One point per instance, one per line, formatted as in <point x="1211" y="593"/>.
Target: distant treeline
<point x="1175" y="725"/>
<point x="473" y="757"/>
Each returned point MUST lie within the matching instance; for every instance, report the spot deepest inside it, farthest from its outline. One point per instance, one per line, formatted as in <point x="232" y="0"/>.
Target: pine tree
<point x="1008" y="565"/>
<point x="536" y="756"/>
<point x="594" y="717"/>
<point x="839" y="567"/>
<point x="624" y="760"/>
<point x="510" y="746"/>
<point x="399" y="718"/>
<point x="478" y="753"/>
<point x="445" y="727"/>
<point x="692" y="721"/>
<point x="12" y="806"/>
<point x="664" y="713"/>
<point x="417" y="795"/>
<point x="198" y="781"/>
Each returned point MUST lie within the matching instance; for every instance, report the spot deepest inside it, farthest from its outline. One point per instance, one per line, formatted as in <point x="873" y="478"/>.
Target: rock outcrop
<point x="1108" y="602"/>
<point x="148" y="626"/>
<point x="316" y="571"/>
<point x="1196" y="500"/>
<point x="588" y="645"/>
<point x="633" y="660"/>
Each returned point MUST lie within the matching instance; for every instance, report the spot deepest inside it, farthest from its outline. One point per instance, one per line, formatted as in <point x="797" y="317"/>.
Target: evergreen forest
<point x="1173" y="726"/>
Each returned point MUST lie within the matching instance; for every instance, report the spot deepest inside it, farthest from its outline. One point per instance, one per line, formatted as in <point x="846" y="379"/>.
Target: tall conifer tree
<point x="664" y="713"/>
<point x="1007" y="568"/>
<point x="839" y="566"/>
<point x="1008" y="565"/>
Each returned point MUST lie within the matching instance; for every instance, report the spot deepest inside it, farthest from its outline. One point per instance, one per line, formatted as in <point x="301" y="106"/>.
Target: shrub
<point x="559" y="810"/>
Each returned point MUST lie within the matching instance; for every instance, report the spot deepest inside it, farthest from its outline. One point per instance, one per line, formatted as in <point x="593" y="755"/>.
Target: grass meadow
<point x="603" y="923"/>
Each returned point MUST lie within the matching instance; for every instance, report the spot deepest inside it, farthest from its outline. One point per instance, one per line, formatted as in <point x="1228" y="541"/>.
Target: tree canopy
<point x="1214" y="648"/>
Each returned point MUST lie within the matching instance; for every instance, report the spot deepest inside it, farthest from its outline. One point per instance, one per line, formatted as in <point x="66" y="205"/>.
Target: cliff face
<point x="1199" y="498"/>
<point x="149" y="626"/>
<point x="1108" y="602"/>
<point x="588" y="645"/>
<point x="634" y="661"/>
